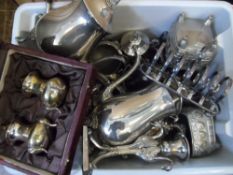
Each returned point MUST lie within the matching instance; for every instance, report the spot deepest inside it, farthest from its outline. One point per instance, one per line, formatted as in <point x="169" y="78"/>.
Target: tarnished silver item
<point x="178" y="71"/>
<point x="148" y="149"/>
<point x="37" y="136"/>
<point x="52" y="91"/>
<point x="178" y="148"/>
<point x="144" y="147"/>
<point x="193" y="39"/>
<point x="189" y="73"/>
<point x="133" y="43"/>
<point x="156" y="57"/>
<point x="107" y="58"/>
<point x="200" y="86"/>
<point x="185" y="92"/>
<point x="123" y="119"/>
<point x="72" y="30"/>
<point x="202" y="129"/>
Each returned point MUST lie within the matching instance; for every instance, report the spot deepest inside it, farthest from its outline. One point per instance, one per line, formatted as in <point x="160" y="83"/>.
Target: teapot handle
<point x="48" y="5"/>
<point x="46" y="122"/>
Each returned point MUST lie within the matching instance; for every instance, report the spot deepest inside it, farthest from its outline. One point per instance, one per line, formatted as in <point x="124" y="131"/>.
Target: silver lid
<point x="135" y="42"/>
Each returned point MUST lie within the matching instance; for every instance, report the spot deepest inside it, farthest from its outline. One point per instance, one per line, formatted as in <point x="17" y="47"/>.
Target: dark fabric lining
<point x="16" y="105"/>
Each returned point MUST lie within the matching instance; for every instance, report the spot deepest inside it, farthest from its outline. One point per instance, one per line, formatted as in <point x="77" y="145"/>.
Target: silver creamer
<point x="72" y="30"/>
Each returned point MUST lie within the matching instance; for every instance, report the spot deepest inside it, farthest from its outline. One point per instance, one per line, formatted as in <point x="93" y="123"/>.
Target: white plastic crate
<point x="157" y="16"/>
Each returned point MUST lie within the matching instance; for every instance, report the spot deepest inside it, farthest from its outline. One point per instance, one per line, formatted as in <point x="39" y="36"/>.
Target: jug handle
<point x="107" y="94"/>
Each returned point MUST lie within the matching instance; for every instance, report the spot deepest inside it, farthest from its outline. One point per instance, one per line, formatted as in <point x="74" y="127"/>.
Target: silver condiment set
<point x="51" y="91"/>
<point x="37" y="136"/>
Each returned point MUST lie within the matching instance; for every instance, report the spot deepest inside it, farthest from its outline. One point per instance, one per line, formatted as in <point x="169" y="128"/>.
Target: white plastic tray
<point x="158" y="16"/>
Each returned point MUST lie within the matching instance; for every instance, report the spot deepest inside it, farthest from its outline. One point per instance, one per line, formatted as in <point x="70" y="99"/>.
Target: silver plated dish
<point x="202" y="130"/>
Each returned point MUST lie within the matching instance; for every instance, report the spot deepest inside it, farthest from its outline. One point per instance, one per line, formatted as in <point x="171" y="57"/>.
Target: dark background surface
<point x="7" y="9"/>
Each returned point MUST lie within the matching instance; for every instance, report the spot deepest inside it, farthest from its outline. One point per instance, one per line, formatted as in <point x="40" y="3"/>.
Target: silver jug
<point x="147" y="149"/>
<point x="73" y="29"/>
<point x="135" y="44"/>
<point x="36" y="136"/>
<point x="123" y="119"/>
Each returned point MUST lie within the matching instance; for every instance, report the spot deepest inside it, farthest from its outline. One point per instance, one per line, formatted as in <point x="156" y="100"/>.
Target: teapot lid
<point x="102" y="11"/>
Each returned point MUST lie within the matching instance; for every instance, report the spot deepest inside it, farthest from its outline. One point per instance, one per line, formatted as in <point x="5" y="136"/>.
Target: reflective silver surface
<point x="133" y="43"/>
<point x="189" y="93"/>
<point x="144" y="148"/>
<point x="52" y="91"/>
<point x="178" y="148"/>
<point x="16" y="131"/>
<point x="202" y="129"/>
<point x="108" y="92"/>
<point x="33" y="84"/>
<point x="148" y="124"/>
<point x="193" y="39"/>
<point x="73" y="29"/>
<point x="156" y="58"/>
<point x="67" y="31"/>
<point x="147" y="149"/>
<point x="107" y="58"/>
<point x="36" y="136"/>
<point x="123" y="119"/>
